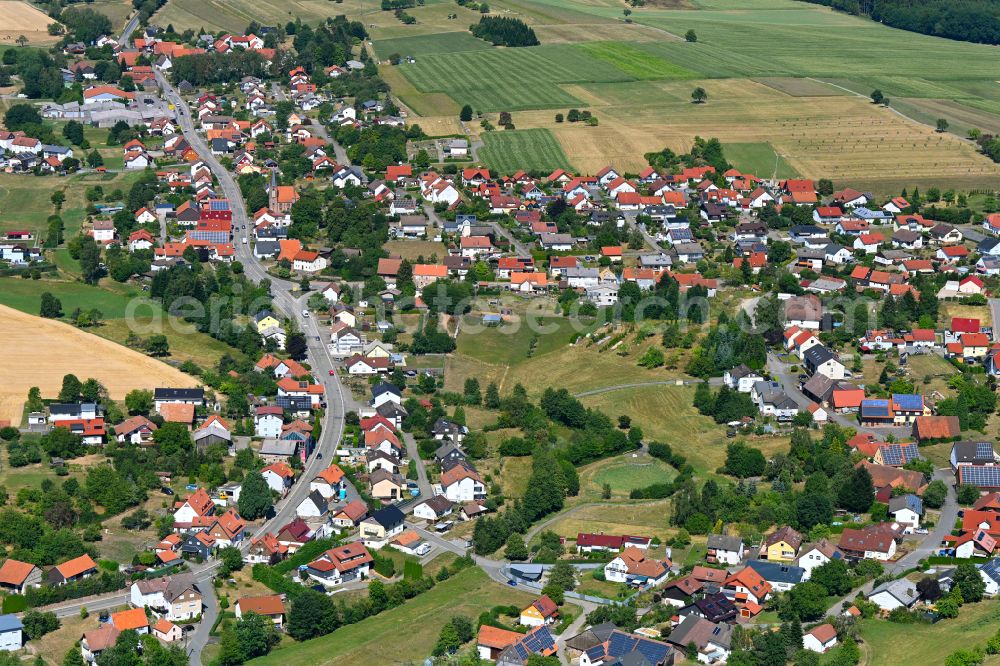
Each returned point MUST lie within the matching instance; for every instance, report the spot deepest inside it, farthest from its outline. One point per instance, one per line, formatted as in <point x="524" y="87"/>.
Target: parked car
<point x="167" y="491"/>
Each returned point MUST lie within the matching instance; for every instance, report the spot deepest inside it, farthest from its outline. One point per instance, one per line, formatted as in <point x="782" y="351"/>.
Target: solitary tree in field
<point x="22" y="40"/>
<point x="559" y="117"/>
<point x="627" y="12"/>
<point x="51" y="307"/>
<point x="691" y="36"/>
<point x="466" y="114"/>
<point x="942" y="125"/>
<point x="699" y="95"/>
<point x="975" y="133"/>
<point x="877" y="97"/>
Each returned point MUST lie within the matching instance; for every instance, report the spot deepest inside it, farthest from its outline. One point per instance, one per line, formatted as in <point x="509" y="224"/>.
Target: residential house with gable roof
<point x="342" y="564"/>
<point x="631" y="566"/>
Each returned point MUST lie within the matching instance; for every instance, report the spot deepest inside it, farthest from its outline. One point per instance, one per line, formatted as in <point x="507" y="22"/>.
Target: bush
<point x="14" y="603"/>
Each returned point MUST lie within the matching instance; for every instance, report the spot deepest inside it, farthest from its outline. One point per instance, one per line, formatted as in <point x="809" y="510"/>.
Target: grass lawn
<point x="511" y="343"/>
<point x="759" y="158"/>
<point x="890" y="644"/>
<point x="666" y="414"/>
<point x="478" y="77"/>
<point x="226" y="15"/>
<point x="646" y="518"/>
<point x="599" y="588"/>
<point x="25" y="201"/>
<point x="412" y="249"/>
<point x="31" y="476"/>
<point x="636" y="63"/>
<point x="420" y="45"/>
<point x="54" y="646"/>
<point x="951" y="309"/>
<point x="623" y="474"/>
<point x="468" y="593"/>
<point x="507" y="151"/>
<point x="932" y="366"/>
<point x="26" y="295"/>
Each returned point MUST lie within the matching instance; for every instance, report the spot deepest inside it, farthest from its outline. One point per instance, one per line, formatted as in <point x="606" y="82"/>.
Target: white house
<point x="813" y="556"/>
<point x="820" y="639"/>
<point x="308" y="261"/>
<point x="344" y="340"/>
<point x="328" y="482"/>
<point x="901" y="593"/>
<point x="741" y="378"/>
<point x="632" y="566"/>
<point x="10" y="633"/>
<point x="267" y="421"/>
<point x="313" y="506"/>
<point x="279" y="477"/>
<point x="462" y="483"/>
<point x="434" y="508"/>
<point x="990" y="573"/>
<point x="724" y="549"/>
<point x="907" y="510"/>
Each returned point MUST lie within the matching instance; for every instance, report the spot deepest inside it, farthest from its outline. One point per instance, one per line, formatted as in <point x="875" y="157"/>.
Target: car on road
<point x="305" y="313"/>
<point x="512" y="583"/>
<point x="921" y="530"/>
<point x="332" y="372"/>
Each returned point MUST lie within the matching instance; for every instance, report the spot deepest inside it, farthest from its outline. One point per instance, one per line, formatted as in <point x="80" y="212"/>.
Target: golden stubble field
<point x="842" y="137"/>
<point x="20" y="18"/>
<point x="38" y="352"/>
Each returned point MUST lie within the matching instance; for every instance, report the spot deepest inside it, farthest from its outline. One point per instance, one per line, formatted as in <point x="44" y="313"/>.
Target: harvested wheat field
<point x="38" y="352"/>
<point x="20" y="18"/>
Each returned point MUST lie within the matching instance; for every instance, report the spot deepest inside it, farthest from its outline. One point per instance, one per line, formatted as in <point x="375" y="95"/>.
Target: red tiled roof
<point x="134" y="618"/>
<point x="76" y="566"/>
<point x="14" y="572"/>
<point x="269" y="604"/>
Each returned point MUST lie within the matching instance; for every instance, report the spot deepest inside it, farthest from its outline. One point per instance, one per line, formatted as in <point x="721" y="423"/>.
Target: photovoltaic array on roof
<point x="622" y="644"/>
<point x="908" y="402"/>
<point x="984" y="450"/>
<point x="875" y="408"/>
<point x="899" y="454"/>
<point x="219" y="204"/>
<point x="539" y="641"/>
<point x="983" y="477"/>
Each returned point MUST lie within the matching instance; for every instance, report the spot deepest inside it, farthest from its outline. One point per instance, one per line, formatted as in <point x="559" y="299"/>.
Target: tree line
<point x="964" y="20"/>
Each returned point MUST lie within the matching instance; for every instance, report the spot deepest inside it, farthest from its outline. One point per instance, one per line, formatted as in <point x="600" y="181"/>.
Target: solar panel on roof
<point x="984" y="450"/>
<point x="983" y="477"/>
<point x="875" y="407"/>
<point x="908" y="402"/>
